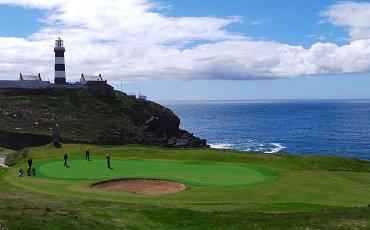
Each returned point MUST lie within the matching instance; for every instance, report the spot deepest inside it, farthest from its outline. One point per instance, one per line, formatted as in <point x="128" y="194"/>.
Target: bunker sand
<point x="2" y="162"/>
<point x="142" y="186"/>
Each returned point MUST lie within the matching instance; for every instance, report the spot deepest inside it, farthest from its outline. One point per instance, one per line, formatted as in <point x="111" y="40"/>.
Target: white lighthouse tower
<point x="60" y="68"/>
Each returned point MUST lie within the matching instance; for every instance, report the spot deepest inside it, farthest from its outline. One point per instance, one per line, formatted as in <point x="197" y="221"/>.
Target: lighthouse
<point x="60" y="68"/>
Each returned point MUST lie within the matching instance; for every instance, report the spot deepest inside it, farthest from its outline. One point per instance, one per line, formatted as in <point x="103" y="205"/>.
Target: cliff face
<point x="35" y="117"/>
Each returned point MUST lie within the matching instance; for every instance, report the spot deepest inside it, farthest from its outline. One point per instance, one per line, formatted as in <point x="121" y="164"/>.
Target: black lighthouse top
<point x="59" y="45"/>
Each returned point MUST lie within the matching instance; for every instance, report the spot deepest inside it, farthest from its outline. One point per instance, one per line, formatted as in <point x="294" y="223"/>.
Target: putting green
<point x="189" y="173"/>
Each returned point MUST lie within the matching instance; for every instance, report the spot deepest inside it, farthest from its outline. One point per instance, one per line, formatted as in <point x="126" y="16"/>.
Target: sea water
<point x="324" y="127"/>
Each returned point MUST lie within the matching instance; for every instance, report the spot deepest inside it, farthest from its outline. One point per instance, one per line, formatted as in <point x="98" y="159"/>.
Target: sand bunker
<point x="2" y="162"/>
<point x="142" y="186"/>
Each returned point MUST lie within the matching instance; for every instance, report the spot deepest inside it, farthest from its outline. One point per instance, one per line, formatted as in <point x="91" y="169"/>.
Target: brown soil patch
<point x="142" y="186"/>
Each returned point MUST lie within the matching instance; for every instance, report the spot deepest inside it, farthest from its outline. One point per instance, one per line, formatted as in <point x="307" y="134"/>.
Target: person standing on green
<point x="87" y="155"/>
<point x="65" y="159"/>
<point x="108" y="160"/>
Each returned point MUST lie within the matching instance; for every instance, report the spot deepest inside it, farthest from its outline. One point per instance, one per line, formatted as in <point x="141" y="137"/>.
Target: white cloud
<point x="261" y="21"/>
<point x="318" y="37"/>
<point x="132" y="40"/>
<point x="354" y="16"/>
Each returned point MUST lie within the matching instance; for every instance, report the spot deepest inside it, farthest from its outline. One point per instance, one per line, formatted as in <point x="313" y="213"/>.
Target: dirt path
<point x="2" y="162"/>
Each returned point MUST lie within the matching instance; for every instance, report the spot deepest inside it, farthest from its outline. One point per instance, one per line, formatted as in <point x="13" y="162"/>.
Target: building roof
<point x="91" y="78"/>
<point x="23" y="77"/>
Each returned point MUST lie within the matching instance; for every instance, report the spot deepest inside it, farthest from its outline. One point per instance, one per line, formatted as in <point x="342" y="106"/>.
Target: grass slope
<point x="311" y="192"/>
<point x="40" y="111"/>
<point x="72" y="115"/>
<point x="4" y="151"/>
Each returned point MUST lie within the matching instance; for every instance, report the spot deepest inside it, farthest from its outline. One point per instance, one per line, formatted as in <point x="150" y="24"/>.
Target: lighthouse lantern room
<point x="60" y="69"/>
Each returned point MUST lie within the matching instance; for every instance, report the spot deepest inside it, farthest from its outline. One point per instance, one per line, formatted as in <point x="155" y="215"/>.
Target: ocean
<point x="320" y="127"/>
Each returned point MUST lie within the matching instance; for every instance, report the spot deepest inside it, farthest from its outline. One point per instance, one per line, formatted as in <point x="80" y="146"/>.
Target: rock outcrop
<point x="36" y="117"/>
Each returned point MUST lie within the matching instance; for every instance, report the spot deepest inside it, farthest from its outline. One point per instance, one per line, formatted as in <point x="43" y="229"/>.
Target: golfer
<point x="108" y="160"/>
<point x="87" y="155"/>
<point x="29" y="162"/>
<point x="65" y="159"/>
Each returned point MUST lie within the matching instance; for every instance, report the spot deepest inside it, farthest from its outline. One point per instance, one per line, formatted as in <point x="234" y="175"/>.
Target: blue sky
<point x="19" y="22"/>
<point x="197" y="50"/>
<point x="285" y="21"/>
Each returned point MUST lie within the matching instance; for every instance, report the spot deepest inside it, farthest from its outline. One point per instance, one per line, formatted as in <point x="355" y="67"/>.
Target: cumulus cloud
<point x="354" y="16"/>
<point x="134" y="40"/>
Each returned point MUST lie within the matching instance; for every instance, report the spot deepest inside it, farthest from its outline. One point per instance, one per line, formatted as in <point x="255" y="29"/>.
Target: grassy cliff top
<point x="81" y="116"/>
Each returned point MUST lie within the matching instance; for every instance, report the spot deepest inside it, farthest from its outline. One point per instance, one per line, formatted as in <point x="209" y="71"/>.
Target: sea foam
<point x="277" y="147"/>
<point x="221" y="146"/>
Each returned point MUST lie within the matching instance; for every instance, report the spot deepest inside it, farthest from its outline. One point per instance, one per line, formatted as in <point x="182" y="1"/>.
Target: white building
<point x="89" y="78"/>
<point x="23" y="77"/>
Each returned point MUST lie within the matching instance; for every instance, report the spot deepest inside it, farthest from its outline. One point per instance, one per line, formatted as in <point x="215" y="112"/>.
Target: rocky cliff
<point x="36" y="117"/>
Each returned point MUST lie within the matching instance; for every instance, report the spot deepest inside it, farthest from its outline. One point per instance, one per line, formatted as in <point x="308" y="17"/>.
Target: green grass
<point x="4" y="151"/>
<point x="73" y="115"/>
<point x="302" y="192"/>
<point x="223" y="175"/>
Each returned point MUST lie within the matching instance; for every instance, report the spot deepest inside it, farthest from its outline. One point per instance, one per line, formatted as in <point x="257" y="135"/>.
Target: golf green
<point x="189" y="173"/>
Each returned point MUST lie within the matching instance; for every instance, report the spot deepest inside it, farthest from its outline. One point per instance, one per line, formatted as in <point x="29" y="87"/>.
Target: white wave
<point x="277" y="148"/>
<point x="221" y="146"/>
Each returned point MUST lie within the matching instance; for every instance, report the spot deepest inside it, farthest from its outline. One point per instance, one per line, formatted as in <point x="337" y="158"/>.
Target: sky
<point x="196" y="50"/>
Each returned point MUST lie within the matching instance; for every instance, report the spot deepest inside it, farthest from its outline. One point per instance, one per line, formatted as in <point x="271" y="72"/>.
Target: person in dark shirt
<point x="108" y="160"/>
<point x="87" y="155"/>
<point x="30" y="162"/>
<point x="33" y="170"/>
<point x="65" y="159"/>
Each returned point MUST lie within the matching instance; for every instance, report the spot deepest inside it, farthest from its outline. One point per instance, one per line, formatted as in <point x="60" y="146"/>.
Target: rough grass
<point x="311" y="193"/>
<point x="4" y="151"/>
<point x="76" y="115"/>
<point x="27" y="210"/>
